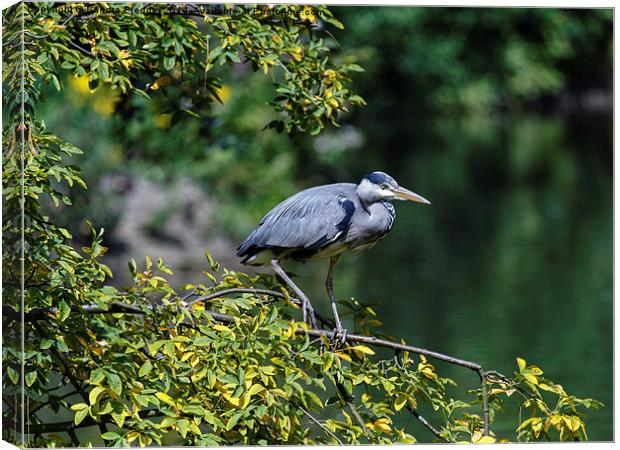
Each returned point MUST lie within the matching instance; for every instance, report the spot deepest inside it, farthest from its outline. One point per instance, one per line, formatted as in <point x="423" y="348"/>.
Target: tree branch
<point x="49" y="401"/>
<point x="70" y="426"/>
<point x="485" y="401"/>
<point x="319" y="424"/>
<point x="426" y="423"/>
<point x="69" y="375"/>
<point x="113" y="308"/>
<point x="348" y="400"/>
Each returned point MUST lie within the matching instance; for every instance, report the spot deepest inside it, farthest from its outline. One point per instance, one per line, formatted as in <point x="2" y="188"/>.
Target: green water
<point x="513" y="257"/>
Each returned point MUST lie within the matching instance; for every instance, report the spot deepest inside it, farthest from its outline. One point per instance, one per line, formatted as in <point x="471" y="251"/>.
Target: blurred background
<point x="501" y="117"/>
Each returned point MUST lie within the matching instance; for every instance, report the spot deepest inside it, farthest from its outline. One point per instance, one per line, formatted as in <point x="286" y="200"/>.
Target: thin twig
<point x="319" y="424"/>
<point x="426" y="423"/>
<point x="69" y="375"/>
<point x="371" y="340"/>
<point x="79" y="47"/>
<point x="73" y="436"/>
<point x="268" y="292"/>
<point x="485" y="401"/>
<point x="40" y="428"/>
<point x="68" y="19"/>
<point x="348" y="400"/>
<point x="48" y="402"/>
<point x="226" y="292"/>
<point x="358" y="417"/>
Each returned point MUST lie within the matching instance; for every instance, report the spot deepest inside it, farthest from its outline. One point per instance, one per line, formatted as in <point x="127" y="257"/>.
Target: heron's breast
<point x="333" y="249"/>
<point x="360" y="247"/>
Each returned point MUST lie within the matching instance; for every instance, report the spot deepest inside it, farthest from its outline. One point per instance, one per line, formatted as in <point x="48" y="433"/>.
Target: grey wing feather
<point x="309" y="220"/>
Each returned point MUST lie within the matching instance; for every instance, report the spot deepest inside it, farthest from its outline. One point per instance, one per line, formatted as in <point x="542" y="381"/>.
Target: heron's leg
<point x="306" y="306"/>
<point x="340" y="334"/>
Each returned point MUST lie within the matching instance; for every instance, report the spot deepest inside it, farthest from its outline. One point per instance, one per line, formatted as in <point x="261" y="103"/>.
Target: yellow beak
<point x="406" y="194"/>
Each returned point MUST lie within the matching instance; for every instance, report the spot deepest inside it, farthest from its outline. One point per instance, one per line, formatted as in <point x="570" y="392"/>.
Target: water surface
<point x="513" y="257"/>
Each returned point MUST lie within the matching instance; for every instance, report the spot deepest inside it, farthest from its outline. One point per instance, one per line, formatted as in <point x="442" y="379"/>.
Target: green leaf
<point x="115" y="382"/>
<point x="31" y="377"/>
<point x="202" y="341"/>
<point x="119" y="419"/>
<point x="133" y="269"/>
<point x="169" y="62"/>
<point x="233" y="420"/>
<point x="79" y="406"/>
<point x="13" y="374"/>
<point x="154" y="346"/>
<point x="110" y="436"/>
<point x="255" y="389"/>
<point x="165" y="398"/>
<point x="62" y="346"/>
<point x="107" y="409"/>
<point x="103" y="71"/>
<point x="169" y="350"/>
<point x="400" y="402"/>
<point x="145" y="369"/>
<point x="143" y="400"/>
<point x="65" y="310"/>
<point x="183" y="426"/>
<point x="94" y="394"/>
<point x="56" y="82"/>
<point x="45" y="344"/>
<point x="97" y="376"/>
<point x="80" y="415"/>
<point x="167" y="422"/>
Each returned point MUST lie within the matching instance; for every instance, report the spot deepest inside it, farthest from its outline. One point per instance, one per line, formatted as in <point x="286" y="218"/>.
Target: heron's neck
<point x="378" y="207"/>
<point x="368" y="195"/>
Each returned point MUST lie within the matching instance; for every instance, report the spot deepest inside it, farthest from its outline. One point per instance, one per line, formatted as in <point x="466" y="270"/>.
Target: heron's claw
<point x="339" y="337"/>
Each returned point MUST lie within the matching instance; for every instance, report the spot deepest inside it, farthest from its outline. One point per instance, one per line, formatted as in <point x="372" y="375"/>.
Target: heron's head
<point x="379" y="186"/>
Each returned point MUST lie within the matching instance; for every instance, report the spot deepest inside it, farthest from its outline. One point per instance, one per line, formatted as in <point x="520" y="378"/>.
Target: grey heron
<point x="323" y="222"/>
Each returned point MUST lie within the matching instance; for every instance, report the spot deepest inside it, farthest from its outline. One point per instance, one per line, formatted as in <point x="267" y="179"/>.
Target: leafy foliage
<point x="144" y="48"/>
<point x="219" y="367"/>
<point x="148" y="365"/>
<point x="479" y="60"/>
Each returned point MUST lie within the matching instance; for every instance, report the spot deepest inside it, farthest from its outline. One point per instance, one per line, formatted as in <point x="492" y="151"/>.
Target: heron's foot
<point x="339" y="337"/>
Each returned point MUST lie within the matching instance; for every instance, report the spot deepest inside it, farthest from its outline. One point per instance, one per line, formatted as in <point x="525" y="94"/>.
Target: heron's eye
<point x="384" y="186"/>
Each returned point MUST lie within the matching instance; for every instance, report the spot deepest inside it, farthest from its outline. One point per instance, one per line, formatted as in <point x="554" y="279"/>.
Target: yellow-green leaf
<point x="400" y="402"/>
<point x="119" y="419"/>
<point x="79" y="406"/>
<point x="145" y="369"/>
<point x="233" y="420"/>
<point x="80" y="416"/>
<point x="531" y="378"/>
<point x="94" y="394"/>
<point x="115" y="382"/>
<point x="572" y="422"/>
<point x="485" y="440"/>
<point x="363" y="349"/>
<point x="165" y="398"/>
<point x="255" y="389"/>
<point x="183" y="426"/>
<point x="31" y="378"/>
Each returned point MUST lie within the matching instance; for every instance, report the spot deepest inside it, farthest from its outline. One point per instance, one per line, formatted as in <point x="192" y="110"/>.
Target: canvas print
<point x="289" y="224"/>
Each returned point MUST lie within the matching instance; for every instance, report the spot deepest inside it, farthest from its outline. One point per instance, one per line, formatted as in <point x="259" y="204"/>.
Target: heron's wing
<point x="309" y="219"/>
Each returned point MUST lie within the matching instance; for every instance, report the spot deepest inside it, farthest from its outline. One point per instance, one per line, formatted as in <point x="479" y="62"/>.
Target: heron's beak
<point x="406" y="194"/>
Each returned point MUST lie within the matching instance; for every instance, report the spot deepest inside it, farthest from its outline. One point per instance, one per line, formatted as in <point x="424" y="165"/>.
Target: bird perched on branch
<point x="322" y="223"/>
